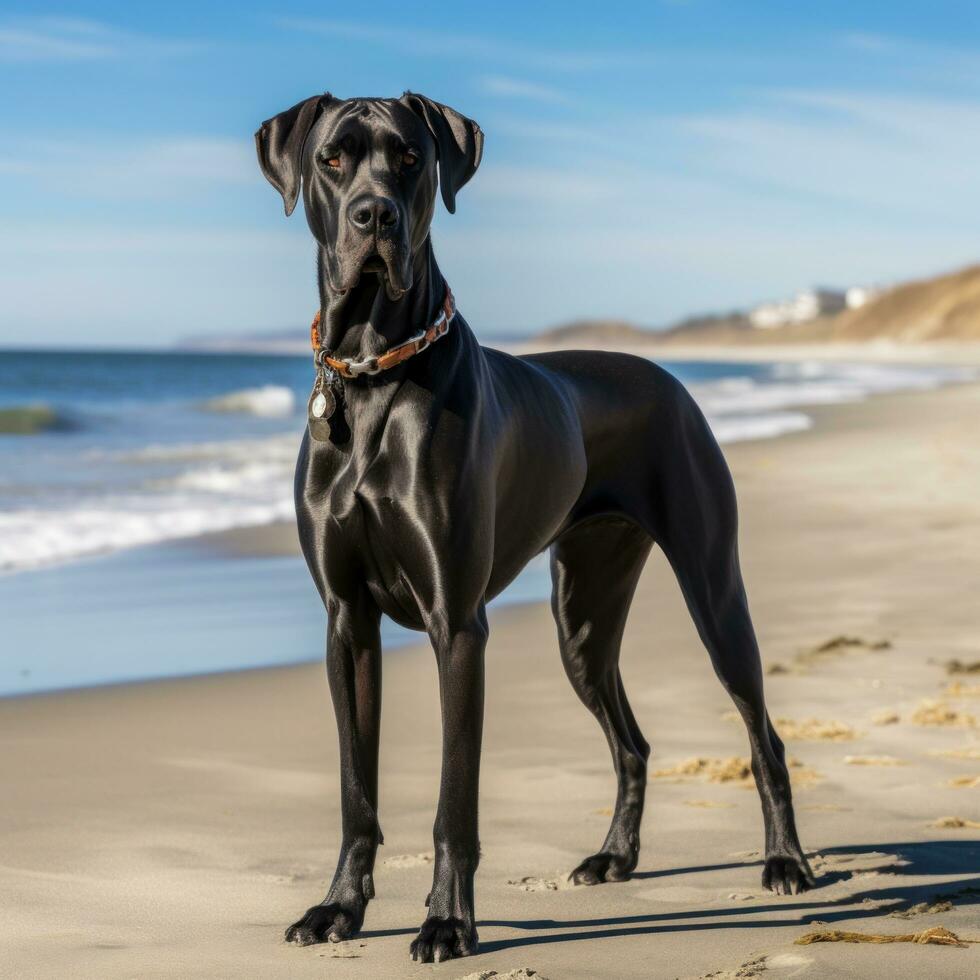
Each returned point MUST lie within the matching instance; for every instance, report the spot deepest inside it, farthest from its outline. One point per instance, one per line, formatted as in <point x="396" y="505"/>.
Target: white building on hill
<point x="806" y="305"/>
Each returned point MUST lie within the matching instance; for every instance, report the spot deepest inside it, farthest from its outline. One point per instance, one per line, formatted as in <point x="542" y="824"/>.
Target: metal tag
<point x="322" y="406"/>
<point x="318" y="407"/>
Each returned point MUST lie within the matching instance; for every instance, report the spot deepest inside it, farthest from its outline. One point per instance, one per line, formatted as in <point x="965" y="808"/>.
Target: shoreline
<point x="939" y="354"/>
<point x="280" y="539"/>
<point x="193" y="818"/>
<point x="219" y="558"/>
<point x="213" y="471"/>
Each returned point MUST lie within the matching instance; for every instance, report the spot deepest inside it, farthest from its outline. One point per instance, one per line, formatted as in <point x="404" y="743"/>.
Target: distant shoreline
<point x="943" y="352"/>
<point x="951" y="353"/>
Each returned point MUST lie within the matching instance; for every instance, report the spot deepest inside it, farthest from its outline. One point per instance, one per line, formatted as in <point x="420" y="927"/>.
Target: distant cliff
<point x="942" y="309"/>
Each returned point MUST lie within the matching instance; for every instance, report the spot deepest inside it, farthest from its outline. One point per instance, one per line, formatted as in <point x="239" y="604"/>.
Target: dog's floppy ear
<point x="459" y="141"/>
<point x="279" y="144"/>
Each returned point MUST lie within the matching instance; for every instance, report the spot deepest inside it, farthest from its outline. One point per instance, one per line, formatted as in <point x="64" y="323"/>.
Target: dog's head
<point x="367" y="169"/>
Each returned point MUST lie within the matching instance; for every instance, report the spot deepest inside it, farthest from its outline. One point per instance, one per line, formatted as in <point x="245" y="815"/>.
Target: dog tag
<point x="322" y="405"/>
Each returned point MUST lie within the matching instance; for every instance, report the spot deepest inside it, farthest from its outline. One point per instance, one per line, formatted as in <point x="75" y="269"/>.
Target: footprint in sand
<point x="847" y="870"/>
<point x="746" y="971"/>
<point x="873" y="760"/>
<point x="679" y="895"/>
<point x="967" y="753"/>
<point x="521" y="973"/>
<point x="409" y="860"/>
<point x="923" y="908"/>
<point x="532" y="884"/>
<point x="343" y="951"/>
<point x="838" y="646"/>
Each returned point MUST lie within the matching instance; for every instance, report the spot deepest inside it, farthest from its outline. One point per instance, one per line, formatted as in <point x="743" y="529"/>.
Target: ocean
<point x="113" y="463"/>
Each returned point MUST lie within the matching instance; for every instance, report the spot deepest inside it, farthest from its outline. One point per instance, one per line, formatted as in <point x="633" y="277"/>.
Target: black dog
<point x="423" y="490"/>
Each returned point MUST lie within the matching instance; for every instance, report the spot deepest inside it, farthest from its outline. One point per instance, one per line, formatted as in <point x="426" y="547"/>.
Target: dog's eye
<point x="410" y="158"/>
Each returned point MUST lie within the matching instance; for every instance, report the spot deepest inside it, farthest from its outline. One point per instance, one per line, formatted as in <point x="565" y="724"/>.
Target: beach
<point x="174" y="828"/>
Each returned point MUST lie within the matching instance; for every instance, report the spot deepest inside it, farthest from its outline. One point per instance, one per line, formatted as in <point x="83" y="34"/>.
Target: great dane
<point x="433" y="469"/>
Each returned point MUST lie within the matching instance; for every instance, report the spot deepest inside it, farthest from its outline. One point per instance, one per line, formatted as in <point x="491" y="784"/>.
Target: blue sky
<point x="643" y="160"/>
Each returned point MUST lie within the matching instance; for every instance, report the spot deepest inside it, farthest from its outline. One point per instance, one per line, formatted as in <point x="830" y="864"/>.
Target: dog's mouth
<point x="375" y="265"/>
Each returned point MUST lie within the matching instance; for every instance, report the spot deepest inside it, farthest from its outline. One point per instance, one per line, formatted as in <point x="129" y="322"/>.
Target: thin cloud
<point x="519" y="89"/>
<point x="160" y="168"/>
<point x="889" y="155"/>
<point x="862" y="41"/>
<point x="61" y="39"/>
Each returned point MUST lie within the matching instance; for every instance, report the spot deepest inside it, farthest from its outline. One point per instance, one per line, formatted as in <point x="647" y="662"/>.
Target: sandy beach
<point x="175" y="828"/>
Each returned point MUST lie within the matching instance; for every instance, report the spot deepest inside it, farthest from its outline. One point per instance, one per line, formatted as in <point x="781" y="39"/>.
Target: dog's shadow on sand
<point x="949" y="861"/>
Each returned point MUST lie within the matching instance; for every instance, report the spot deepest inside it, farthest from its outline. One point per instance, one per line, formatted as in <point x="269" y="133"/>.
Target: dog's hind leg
<point x="595" y="568"/>
<point x="697" y="525"/>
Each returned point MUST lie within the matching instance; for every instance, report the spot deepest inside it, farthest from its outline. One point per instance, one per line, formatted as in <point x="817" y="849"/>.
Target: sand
<point x="174" y="828"/>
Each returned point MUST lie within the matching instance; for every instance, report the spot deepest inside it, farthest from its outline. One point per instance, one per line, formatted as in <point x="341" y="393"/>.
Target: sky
<point x="643" y="161"/>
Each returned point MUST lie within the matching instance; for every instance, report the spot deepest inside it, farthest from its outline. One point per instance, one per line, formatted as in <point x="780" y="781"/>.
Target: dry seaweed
<point x="965" y="782"/>
<point x="955" y="823"/>
<point x="736" y="770"/>
<point x="815" y="730"/>
<point x="940" y="713"/>
<point x="885" y="717"/>
<point x="936" y="936"/>
<point x="957" y="689"/>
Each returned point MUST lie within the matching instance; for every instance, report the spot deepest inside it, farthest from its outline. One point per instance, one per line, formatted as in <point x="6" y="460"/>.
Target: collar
<point x="346" y="367"/>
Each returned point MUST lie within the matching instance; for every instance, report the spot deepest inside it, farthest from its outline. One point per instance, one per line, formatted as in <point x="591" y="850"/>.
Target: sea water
<point x="108" y="458"/>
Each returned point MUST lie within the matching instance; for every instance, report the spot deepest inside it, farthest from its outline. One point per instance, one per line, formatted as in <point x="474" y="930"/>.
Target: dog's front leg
<point x="450" y="929"/>
<point x="354" y="672"/>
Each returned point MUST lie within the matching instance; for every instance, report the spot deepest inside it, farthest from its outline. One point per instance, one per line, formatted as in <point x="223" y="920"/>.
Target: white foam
<point x="738" y="428"/>
<point x="189" y="489"/>
<point x="30" y="538"/>
<point x="740" y="407"/>
<point x="272" y="401"/>
<point x="241" y="483"/>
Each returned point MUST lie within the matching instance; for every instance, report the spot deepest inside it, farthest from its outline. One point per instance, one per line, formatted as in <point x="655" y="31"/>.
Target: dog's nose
<point x="370" y="213"/>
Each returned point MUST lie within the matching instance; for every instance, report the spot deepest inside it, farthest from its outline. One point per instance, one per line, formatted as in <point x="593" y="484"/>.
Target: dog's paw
<point x="602" y="867"/>
<point x="443" y="938"/>
<point x="330" y="921"/>
<point x="787" y="875"/>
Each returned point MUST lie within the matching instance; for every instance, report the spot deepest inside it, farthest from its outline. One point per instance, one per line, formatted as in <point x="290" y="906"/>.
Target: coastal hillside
<point x="946" y="308"/>
<point x="610" y="332"/>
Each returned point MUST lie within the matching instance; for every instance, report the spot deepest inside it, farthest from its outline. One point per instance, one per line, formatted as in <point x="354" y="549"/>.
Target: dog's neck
<point x="365" y="322"/>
